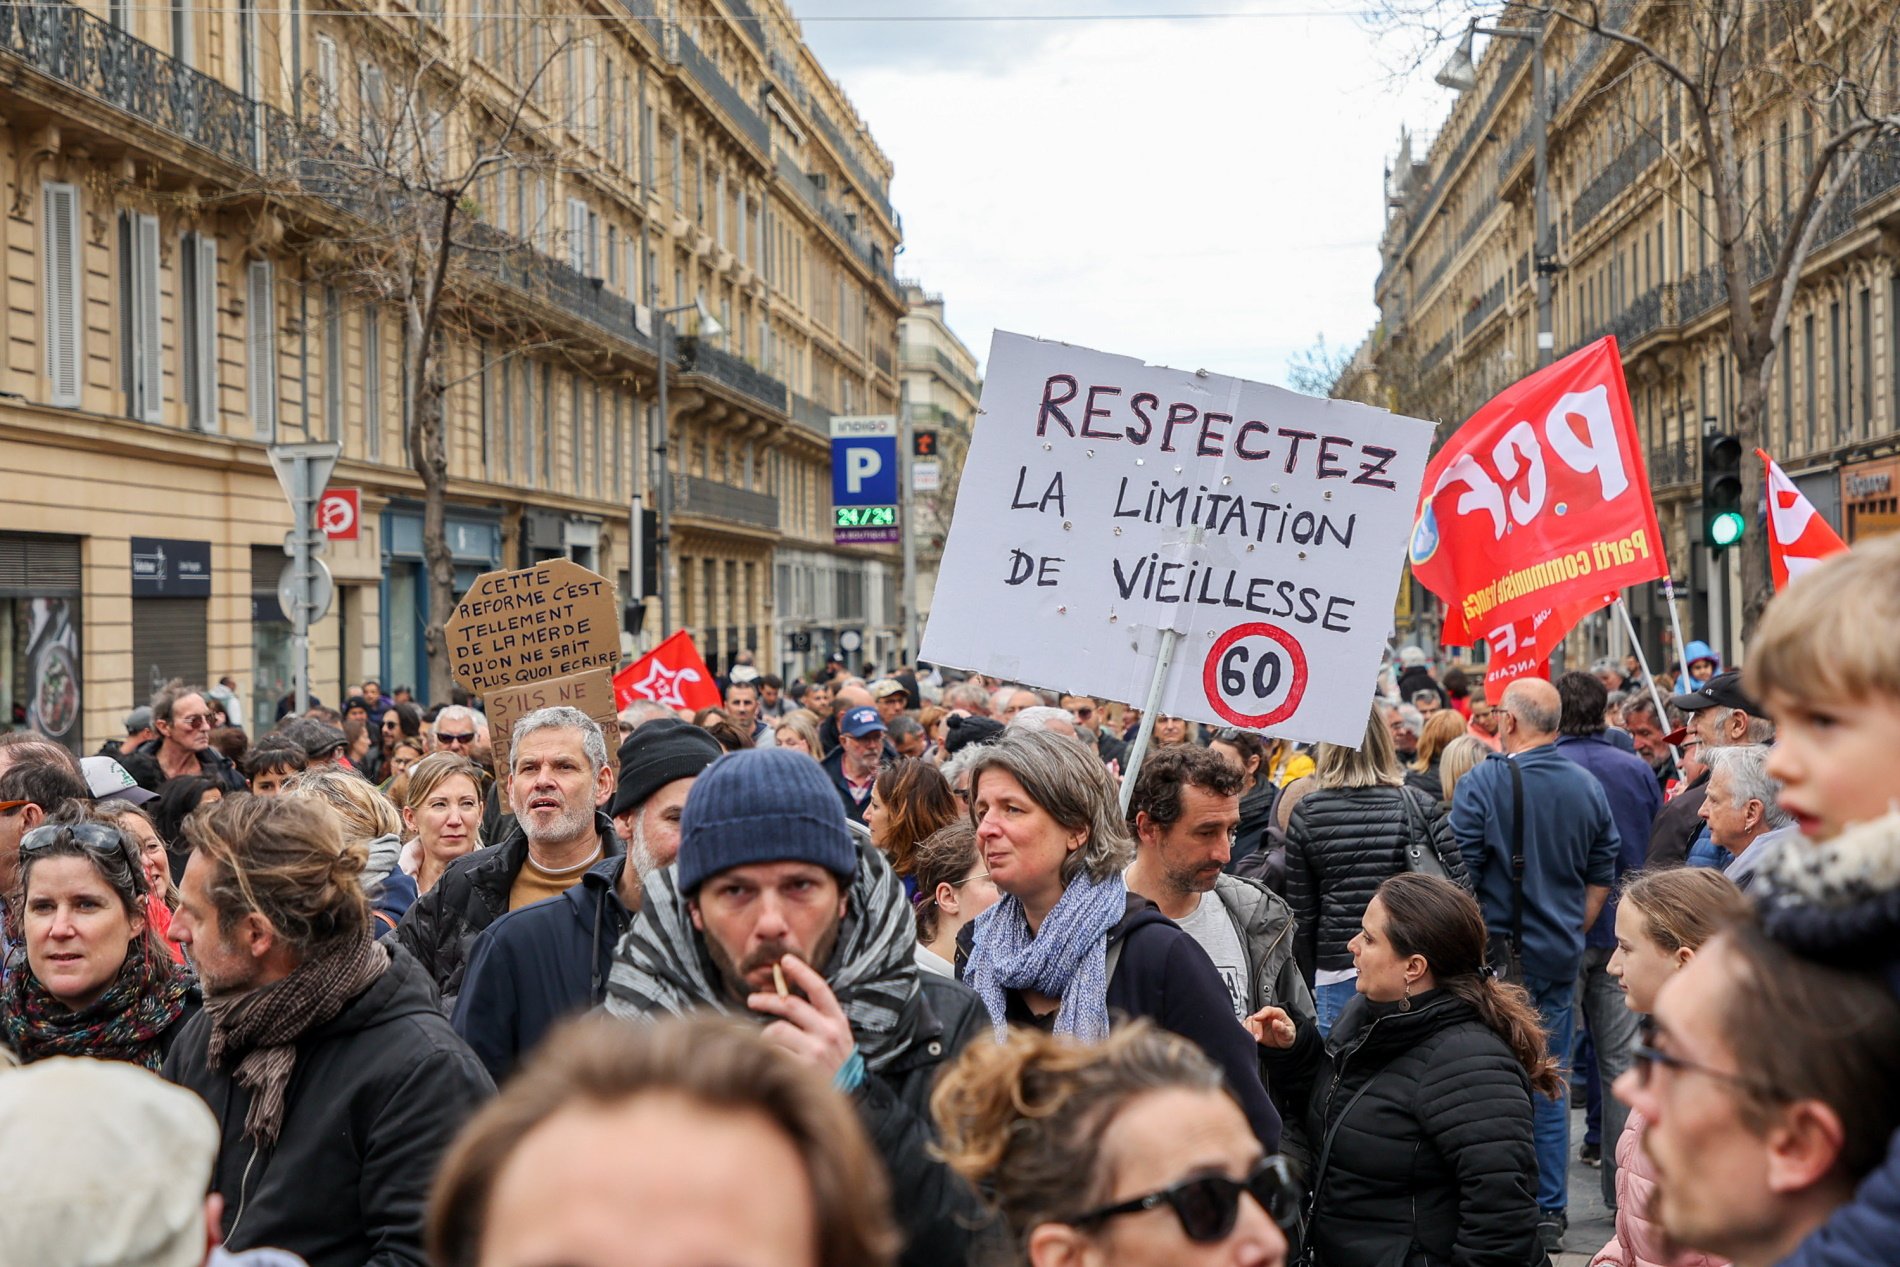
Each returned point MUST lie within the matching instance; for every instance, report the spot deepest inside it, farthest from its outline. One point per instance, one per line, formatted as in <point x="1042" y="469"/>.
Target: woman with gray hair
<point x="1068" y="949"/>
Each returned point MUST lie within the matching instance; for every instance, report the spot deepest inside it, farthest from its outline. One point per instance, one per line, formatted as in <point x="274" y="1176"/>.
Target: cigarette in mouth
<point x="778" y="979"/>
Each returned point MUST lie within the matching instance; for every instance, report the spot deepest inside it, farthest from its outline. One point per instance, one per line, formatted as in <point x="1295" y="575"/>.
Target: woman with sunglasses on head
<point x="1662" y="920"/>
<point x="96" y="981"/>
<point x="1130" y="1152"/>
<point x="1418" y="1103"/>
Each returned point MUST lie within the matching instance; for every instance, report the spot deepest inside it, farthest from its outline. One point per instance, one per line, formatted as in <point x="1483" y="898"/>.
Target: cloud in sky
<point x="1205" y="194"/>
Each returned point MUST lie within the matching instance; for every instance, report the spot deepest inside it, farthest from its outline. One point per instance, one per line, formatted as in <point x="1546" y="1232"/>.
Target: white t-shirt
<point x="1210" y="925"/>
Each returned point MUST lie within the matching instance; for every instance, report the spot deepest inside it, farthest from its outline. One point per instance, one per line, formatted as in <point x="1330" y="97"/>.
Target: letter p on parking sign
<point x="864" y="472"/>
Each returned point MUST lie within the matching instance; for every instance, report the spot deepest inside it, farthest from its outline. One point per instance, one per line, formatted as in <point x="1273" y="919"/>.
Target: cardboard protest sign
<point x="540" y="632"/>
<point x="1104" y="500"/>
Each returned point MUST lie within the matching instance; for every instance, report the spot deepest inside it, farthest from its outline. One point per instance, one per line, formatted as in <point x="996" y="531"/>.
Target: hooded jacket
<point x="1433" y="1163"/>
<point x="376" y="1097"/>
<point x="1256" y="815"/>
<point x="471" y="894"/>
<point x="1839" y="903"/>
<point x="537" y="966"/>
<point x="909" y="1025"/>
<point x="142" y="764"/>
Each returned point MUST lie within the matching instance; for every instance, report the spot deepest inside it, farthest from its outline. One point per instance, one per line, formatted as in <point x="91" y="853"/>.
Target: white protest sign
<point x="1104" y="500"/>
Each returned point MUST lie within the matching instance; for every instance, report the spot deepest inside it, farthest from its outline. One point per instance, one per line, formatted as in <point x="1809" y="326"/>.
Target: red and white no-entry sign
<point x="340" y="513"/>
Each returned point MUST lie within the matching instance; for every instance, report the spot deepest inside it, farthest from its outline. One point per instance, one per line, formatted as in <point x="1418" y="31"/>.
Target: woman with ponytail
<point x="1418" y="1103"/>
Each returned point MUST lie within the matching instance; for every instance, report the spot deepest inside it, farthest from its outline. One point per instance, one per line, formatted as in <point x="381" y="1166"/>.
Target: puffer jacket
<point x="1256" y="815"/>
<point x="1638" y="1241"/>
<point x="1341" y="845"/>
<point x="470" y="895"/>
<point x="1433" y="1163"/>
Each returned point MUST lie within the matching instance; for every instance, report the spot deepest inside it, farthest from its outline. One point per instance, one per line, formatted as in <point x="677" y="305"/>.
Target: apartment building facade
<point x="943" y="389"/>
<point x="1635" y="257"/>
<point x="185" y="284"/>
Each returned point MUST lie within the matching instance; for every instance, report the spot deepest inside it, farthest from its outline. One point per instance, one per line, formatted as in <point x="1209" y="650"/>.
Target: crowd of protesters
<point x="910" y="968"/>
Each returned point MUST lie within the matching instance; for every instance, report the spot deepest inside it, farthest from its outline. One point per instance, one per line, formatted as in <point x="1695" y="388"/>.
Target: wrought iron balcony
<point x="811" y="415"/>
<point x="808" y="193"/>
<point x="85" y="52"/>
<point x="1631" y="162"/>
<point x="707" y="74"/>
<point x="709" y="499"/>
<point x="1674" y="463"/>
<point x="696" y="356"/>
<point x="1488" y="303"/>
<point x="1436" y="353"/>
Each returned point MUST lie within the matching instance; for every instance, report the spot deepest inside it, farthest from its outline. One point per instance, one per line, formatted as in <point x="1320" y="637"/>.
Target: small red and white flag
<point x="672" y="674"/>
<point x="1798" y="538"/>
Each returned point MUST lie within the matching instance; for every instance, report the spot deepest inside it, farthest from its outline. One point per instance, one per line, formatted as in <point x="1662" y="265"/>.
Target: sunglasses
<point x="95" y="838"/>
<point x="193" y="722"/>
<point x="442" y="736"/>
<point x="1209" y="1206"/>
<point x="13" y="807"/>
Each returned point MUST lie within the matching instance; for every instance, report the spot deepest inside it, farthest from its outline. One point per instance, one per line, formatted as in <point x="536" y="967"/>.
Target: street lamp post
<point x="705" y="327"/>
<point x="1460" y="74"/>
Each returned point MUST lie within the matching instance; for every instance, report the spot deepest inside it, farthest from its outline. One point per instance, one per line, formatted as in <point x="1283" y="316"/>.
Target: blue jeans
<point x="1331" y="1000"/>
<point x="1556" y="1003"/>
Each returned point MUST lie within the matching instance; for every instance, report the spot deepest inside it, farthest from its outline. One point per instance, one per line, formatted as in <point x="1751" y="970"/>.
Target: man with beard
<point x="1649" y="731"/>
<point x="335" y="1078"/>
<point x="770" y="912"/>
<point x="538" y="965"/>
<point x="557" y="778"/>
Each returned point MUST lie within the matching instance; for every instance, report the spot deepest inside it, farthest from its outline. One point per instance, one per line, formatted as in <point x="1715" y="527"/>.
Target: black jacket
<point x="1341" y="845"/>
<point x="1429" y="781"/>
<point x="1163" y="974"/>
<point x="1256" y="815"/>
<point x="377" y="1095"/>
<point x="1433" y="1163"/>
<point x="142" y="764"/>
<point x="539" y="965"/>
<point x="1677" y="825"/>
<point x="470" y="895"/>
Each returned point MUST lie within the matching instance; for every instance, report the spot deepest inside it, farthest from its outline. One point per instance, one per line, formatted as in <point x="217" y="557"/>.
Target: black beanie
<point x="661" y="751"/>
<point x="964" y="731"/>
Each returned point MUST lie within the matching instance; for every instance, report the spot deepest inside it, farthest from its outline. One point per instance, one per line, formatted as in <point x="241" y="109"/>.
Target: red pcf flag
<point x="1539" y="504"/>
<point x="1798" y="538"/>
<point x="671" y="674"/>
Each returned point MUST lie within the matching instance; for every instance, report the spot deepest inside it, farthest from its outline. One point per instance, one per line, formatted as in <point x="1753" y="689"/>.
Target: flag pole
<point x="1662" y="713"/>
<point x="1164" y="658"/>
<point x="1675" y="623"/>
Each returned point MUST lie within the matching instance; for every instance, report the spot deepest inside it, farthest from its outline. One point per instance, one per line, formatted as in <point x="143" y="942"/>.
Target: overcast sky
<point x="1199" y="193"/>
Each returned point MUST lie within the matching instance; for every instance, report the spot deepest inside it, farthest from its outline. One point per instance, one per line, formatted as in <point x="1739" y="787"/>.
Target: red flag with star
<point x="672" y="674"/>
<point x="1798" y="538"/>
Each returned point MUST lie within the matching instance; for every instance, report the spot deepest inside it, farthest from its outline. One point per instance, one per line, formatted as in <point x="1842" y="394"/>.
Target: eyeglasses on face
<point x="1647" y="1055"/>
<point x="192" y="722"/>
<point x="1208" y="1207"/>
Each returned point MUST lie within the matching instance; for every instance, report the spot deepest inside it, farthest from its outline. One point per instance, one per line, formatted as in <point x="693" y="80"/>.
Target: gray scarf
<point x="661" y="966"/>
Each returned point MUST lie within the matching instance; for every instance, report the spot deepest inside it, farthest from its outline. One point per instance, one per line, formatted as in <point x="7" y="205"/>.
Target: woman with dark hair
<point x="1418" y="1103"/>
<point x="909" y="800"/>
<point x="1068" y="948"/>
<point x="1441" y="729"/>
<point x="1267" y="767"/>
<point x="95" y="981"/>
<point x="953" y="888"/>
<point x="400" y="721"/>
<point x="1132" y="1152"/>
<point x="177" y="801"/>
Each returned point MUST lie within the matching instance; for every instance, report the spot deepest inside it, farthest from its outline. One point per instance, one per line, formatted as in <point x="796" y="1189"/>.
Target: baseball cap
<point x="134" y="1194"/>
<point x="886" y="687"/>
<point x="138" y="719"/>
<point x="859" y="722"/>
<point x="1724" y="690"/>
<point x="109" y="780"/>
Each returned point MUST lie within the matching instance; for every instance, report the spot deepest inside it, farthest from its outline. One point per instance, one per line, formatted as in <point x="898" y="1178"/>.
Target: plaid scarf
<point x="127" y="1022"/>
<point x="661" y="966"/>
<point x="254" y="1033"/>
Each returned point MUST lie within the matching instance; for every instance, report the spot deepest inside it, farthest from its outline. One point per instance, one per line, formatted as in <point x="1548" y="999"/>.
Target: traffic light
<point x="923" y="444"/>
<point x="1722" y="520"/>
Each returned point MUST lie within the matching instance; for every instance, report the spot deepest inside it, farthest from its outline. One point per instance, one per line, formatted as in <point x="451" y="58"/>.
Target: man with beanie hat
<point x="772" y="912"/>
<point x="534" y="967"/>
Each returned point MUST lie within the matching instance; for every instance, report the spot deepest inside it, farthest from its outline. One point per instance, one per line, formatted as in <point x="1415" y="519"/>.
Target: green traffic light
<point x="1726" y="529"/>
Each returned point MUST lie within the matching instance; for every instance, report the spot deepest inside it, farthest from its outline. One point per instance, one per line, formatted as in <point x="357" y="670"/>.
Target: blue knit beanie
<point x="763" y="805"/>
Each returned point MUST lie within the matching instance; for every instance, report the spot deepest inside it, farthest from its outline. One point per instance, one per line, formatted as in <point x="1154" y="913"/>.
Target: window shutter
<point x="577" y="235"/>
<point x="260" y="314"/>
<point x="63" y="295"/>
<point x="373" y="384"/>
<point x="332" y="363"/>
<point x="148" y="375"/>
<point x="204" y="319"/>
<point x="328" y="81"/>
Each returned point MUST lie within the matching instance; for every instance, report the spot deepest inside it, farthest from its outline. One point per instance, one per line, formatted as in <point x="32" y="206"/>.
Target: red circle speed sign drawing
<point x="1251" y="684"/>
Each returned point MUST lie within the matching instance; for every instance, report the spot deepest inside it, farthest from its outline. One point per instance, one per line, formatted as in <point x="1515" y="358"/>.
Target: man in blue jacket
<point x="1542" y="882"/>
<point x="1634" y="797"/>
<point x="534" y="967"/>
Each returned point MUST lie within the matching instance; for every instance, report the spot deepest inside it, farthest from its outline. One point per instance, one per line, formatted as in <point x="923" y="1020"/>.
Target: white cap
<point x="107" y="1166"/>
<point x="742" y="673"/>
<point x="107" y="778"/>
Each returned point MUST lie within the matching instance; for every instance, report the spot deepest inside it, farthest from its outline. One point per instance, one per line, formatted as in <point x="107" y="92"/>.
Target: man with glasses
<point x="181" y="715"/>
<point x="1770" y="1085"/>
<point x="456" y="730"/>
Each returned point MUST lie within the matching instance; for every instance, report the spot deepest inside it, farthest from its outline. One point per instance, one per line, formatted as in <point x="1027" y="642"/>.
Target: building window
<point x="1811" y="385"/>
<point x="198" y="326"/>
<point x="599" y="442"/>
<point x="487" y="405"/>
<point x="373" y="384"/>
<point x="260" y="313"/>
<point x="1837" y="394"/>
<point x="65" y="332"/>
<point x="547" y="421"/>
<point x="332" y="363"/>
<point x="576" y="427"/>
<point x="328" y="81"/>
<point x="141" y="353"/>
<point x="184" y="42"/>
<point x="507" y="438"/>
<point x="1866" y="316"/>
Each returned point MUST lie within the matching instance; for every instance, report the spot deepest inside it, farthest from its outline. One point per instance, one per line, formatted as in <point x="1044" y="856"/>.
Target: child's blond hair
<point x="1830" y="634"/>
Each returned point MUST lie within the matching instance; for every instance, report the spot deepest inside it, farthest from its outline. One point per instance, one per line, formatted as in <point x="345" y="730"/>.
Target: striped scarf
<point x="1066" y="959"/>
<point x="661" y="966"/>
<point x="128" y="1022"/>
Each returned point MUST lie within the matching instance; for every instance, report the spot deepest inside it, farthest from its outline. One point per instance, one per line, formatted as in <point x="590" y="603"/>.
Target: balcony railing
<point x="808" y="192"/>
<point x="811" y="415"/>
<point x="787" y="72"/>
<point x="746" y="21"/>
<point x="709" y="499"/>
<point x="1488" y="303"/>
<point x="1631" y="162"/>
<point x="707" y="74"/>
<point x="1514" y="55"/>
<point x="937" y="361"/>
<point x="1674" y="463"/>
<point x="85" y="52"/>
<point x="1436" y="353"/>
<point x="699" y="357"/>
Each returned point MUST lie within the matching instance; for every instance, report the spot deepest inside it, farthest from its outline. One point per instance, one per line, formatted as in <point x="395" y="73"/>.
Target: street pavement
<point x="1591" y="1220"/>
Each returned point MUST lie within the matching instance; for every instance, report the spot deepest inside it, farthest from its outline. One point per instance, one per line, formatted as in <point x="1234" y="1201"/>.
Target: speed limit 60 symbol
<point x="1255" y="675"/>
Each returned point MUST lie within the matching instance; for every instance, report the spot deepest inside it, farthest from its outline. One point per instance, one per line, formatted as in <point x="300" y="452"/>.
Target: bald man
<point x="1541" y="847"/>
